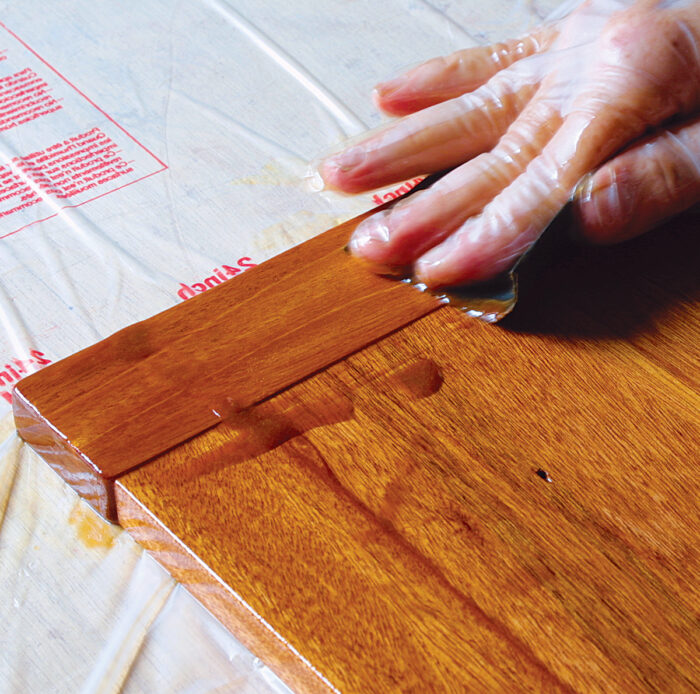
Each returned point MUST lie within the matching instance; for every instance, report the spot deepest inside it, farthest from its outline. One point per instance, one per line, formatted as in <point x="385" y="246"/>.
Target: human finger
<point x="440" y="137"/>
<point x="397" y="236"/>
<point x="633" y="192"/>
<point x="444" y="78"/>
<point x="490" y="242"/>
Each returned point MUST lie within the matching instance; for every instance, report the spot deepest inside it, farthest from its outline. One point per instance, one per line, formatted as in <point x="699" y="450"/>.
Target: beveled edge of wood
<point x="74" y="467"/>
<point x="217" y="597"/>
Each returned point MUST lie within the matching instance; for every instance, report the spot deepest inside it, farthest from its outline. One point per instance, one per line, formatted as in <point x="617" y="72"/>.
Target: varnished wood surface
<point x="409" y="543"/>
<point x="68" y="461"/>
<point x="388" y="524"/>
<point x="154" y="384"/>
<point x="459" y="507"/>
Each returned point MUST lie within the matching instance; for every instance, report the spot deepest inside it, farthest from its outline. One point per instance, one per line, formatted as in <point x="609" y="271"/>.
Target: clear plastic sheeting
<point x="148" y="152"/>
<point x="85" y="609"/>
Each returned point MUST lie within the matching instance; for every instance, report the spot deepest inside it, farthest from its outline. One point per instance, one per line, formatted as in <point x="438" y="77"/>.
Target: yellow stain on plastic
<point x="92" y="531"/>
<point x="272" y="174"/>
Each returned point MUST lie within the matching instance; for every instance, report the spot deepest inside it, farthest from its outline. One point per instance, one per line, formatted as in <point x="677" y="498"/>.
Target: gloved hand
<point x="536" y="120"/>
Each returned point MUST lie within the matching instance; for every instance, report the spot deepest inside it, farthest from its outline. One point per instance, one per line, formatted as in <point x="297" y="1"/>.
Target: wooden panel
<point x="453" y="508"/>
<point x="154" y="384"/>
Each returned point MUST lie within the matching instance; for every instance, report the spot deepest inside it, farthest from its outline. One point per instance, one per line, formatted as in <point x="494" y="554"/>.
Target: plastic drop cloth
<point x="148" y="151"/>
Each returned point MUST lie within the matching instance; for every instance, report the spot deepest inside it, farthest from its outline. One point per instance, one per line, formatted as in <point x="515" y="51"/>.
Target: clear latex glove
<point x="651" y="181"/>
<point x="532" y="118"/>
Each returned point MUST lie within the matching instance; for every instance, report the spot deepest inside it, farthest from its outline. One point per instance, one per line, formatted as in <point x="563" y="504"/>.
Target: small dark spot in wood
<point x="541" y="473"/>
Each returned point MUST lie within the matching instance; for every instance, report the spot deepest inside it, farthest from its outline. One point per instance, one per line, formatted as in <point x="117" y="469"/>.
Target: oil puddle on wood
<point x="248" y="432"/>
<point x="419" y="379"/>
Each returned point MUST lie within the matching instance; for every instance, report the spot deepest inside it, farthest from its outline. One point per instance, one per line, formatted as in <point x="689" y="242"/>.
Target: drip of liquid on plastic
<point x="92" y="530"/>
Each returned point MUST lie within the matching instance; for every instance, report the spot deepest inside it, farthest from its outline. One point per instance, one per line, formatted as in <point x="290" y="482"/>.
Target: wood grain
<point x="385" y="520"/>
<point x="377" y="496"/>
<point x="154" y="384"/>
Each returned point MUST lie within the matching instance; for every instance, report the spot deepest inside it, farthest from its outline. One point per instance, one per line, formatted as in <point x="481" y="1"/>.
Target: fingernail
<point x="387" y="88"/>
<point x="373" y="231"/>
<point x="584" y="189"/>
<point x="606" y="202"/>
<point x="433" y="267"/>
<point x="426" y="266"/>
<point x="349" y="159"/>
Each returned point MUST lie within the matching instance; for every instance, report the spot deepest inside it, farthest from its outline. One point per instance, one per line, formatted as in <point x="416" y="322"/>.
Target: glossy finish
<point x="457" y="506"/>
<point x="386" y="522"/>
<point x="156" y="383"/>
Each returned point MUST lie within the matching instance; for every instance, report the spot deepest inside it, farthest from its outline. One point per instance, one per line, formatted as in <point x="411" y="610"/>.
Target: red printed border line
<point x="162" y="164"/>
